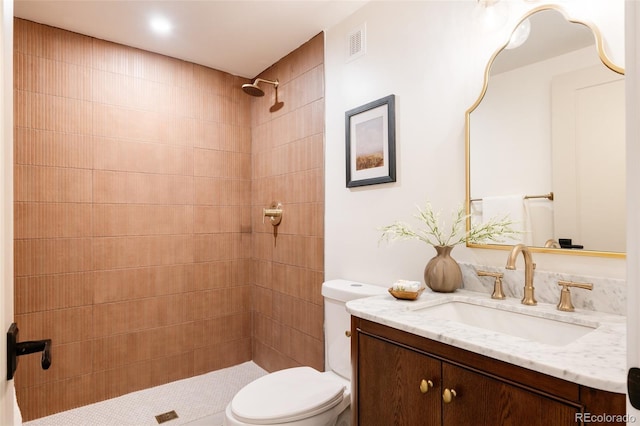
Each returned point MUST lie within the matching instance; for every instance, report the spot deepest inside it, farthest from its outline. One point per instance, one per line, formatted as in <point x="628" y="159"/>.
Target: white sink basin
<point x="518" y="324"/>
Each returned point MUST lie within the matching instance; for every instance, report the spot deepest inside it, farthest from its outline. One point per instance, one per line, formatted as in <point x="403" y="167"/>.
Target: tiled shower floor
<point x="198" y="401"/>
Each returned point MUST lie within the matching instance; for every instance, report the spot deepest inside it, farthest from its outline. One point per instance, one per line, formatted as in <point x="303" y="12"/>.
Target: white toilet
<point x="303" y="396"/>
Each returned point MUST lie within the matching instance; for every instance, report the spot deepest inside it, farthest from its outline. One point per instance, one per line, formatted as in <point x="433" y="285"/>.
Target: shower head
<point x="254" y="90"/>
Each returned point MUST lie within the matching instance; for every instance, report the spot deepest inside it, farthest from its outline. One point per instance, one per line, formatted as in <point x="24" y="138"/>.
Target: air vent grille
<point x="356" y="43"/>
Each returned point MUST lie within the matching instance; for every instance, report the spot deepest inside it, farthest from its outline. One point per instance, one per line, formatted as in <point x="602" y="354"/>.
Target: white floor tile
<point x="198" y="401"/>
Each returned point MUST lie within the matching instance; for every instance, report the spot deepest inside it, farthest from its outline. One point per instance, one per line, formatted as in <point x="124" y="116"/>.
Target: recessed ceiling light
<point x="160" y="25"/>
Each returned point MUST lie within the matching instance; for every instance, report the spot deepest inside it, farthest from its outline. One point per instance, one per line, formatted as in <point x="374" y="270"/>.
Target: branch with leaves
<point x="495" y="230"/>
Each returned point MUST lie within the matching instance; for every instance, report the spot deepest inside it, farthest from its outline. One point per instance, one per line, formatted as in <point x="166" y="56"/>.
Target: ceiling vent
<point x="356" y="43"/>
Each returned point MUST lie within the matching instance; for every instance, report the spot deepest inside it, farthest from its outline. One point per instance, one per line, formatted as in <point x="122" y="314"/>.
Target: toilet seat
<point x="286" y="396"/>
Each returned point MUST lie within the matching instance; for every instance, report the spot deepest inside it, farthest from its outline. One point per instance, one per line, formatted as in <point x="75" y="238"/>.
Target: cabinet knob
<point x="425" y="385"/>
<point x="448" y="395"/>
<point x="347" y="333"/>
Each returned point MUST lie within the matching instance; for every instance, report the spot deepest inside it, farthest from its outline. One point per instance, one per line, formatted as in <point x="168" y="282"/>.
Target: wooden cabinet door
<point x="389" y="391"/>
<point x="482" y="400"/>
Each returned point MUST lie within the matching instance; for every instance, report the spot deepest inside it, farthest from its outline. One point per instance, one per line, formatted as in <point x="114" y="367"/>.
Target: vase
<point x="442" y="273"/>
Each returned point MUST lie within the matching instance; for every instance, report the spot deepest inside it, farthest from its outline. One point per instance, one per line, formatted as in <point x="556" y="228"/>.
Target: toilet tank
<point x="337" y="321"/>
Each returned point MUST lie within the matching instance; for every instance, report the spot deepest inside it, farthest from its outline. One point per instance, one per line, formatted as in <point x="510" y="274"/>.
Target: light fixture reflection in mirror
<point x="512" y="139"/>
<point x="520" y="35"/>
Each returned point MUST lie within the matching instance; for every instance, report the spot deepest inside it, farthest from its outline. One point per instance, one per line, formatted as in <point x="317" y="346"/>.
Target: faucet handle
<point x="565" y="294"/>
<point x="497" y="285"/>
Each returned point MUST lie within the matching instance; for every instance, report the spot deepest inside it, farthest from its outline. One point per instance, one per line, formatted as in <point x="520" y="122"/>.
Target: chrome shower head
<point x="254" y="90"/>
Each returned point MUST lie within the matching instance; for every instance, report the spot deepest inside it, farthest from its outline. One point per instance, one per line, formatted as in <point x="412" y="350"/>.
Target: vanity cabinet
<point x="389" y="385"/>
<point x="400" y="378"/>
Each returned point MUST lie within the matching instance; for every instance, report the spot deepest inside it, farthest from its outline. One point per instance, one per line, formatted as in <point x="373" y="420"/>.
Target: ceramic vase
<point x="443" y="273"/>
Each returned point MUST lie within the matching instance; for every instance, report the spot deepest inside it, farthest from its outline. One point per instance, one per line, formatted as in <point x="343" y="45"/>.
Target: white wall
<point x="633" y="191"/>
<point x="432" y="56"/>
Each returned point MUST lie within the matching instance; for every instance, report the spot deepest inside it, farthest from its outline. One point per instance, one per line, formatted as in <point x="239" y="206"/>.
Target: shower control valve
<point x="274" y="213"/>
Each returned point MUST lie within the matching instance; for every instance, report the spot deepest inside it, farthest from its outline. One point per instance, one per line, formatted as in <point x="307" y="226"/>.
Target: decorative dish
<point x="405" y="295"/>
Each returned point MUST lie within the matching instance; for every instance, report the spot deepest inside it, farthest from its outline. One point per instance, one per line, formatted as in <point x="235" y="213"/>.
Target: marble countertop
<point x="597" y="359"/>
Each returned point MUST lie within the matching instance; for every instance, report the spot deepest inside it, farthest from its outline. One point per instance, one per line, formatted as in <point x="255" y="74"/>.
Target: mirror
<point x="545" y="141"/>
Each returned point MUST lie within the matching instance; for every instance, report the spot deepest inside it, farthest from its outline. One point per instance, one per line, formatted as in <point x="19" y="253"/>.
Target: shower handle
<point x="274" y="213"/>
<point x="30" y="347"/>
<point x="16" y="349"/>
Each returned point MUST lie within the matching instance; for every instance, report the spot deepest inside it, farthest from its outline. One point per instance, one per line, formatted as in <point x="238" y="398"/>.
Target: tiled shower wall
<point x="133" y="218"/>
<point x="288" y="167"/>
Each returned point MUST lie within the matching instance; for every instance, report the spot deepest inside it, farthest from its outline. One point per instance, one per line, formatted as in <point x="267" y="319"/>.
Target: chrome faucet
<point x="529" y="297"/>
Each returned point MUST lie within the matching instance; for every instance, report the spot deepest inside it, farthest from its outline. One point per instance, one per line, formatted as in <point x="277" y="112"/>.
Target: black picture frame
<point x="371" y="143"/>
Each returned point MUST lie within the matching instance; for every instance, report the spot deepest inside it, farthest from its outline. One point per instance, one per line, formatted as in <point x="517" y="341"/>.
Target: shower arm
<point x="274" y="82"/>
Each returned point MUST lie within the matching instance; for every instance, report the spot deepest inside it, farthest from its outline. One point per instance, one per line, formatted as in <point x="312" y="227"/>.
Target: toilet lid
<point x="286" y="396"/>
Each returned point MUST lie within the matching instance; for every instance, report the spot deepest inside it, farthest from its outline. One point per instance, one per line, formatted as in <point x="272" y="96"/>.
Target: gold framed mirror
<point x="545" y="140"/>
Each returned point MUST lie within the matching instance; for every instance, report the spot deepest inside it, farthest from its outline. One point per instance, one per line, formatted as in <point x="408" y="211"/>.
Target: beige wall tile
<point x="122" y="349"/>
<point x="124" y="379"/>
<point x="55" y="113"/>
<point x="216" y="219"/>
<point x="105" y="214"/>
<point x="171" y="368"/>
<point x="112" y="121"/>
<point x="52" y="184"/>
<point x="135" y="283"/>
<point x="215" y="357"/>
<point x="68" y="360"/>
<point x="287" y="165"/>
<point x="28" y="37"/>
<point x="46" y="76"/>
<point x="55" y="396"/>
<point x="221" y="246"/>
<point x="129" y="156"/>
<point x="212" y="163"/>
<point x="51" y="220"/>
<point x="139" y="187"/>
<point x="52" y="256"/>
<point x="132" y="92"/>
<point x="222" y="192"/>
<point x="78" y="325"/>
<point x="141" y="219"/>
<point x="47" y="292"/>
<point x="48" y="148"/>
<point x="66" y="46"/>
<point x="135" y="251"/>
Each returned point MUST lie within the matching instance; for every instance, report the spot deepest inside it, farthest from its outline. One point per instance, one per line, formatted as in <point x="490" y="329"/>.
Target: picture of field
<point x="369" y="144"/>
<point x="369" y="161"/>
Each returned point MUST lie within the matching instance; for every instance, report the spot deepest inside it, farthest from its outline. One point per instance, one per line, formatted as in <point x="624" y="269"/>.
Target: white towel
<point x="515" y="208"/>
<point x="405" y="285"/>
<point x="540" y="212"/>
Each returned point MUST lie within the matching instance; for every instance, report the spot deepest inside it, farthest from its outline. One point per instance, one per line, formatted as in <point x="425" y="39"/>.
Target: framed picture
<point x="371" y="143"/>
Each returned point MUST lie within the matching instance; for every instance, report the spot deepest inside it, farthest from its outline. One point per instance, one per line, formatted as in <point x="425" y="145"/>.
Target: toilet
<point x="303" y="396"/>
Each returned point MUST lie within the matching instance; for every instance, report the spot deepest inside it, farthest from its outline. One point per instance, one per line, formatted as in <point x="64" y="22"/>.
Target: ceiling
<point x="245" y="37"/>
<point x="240" y="37"/>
